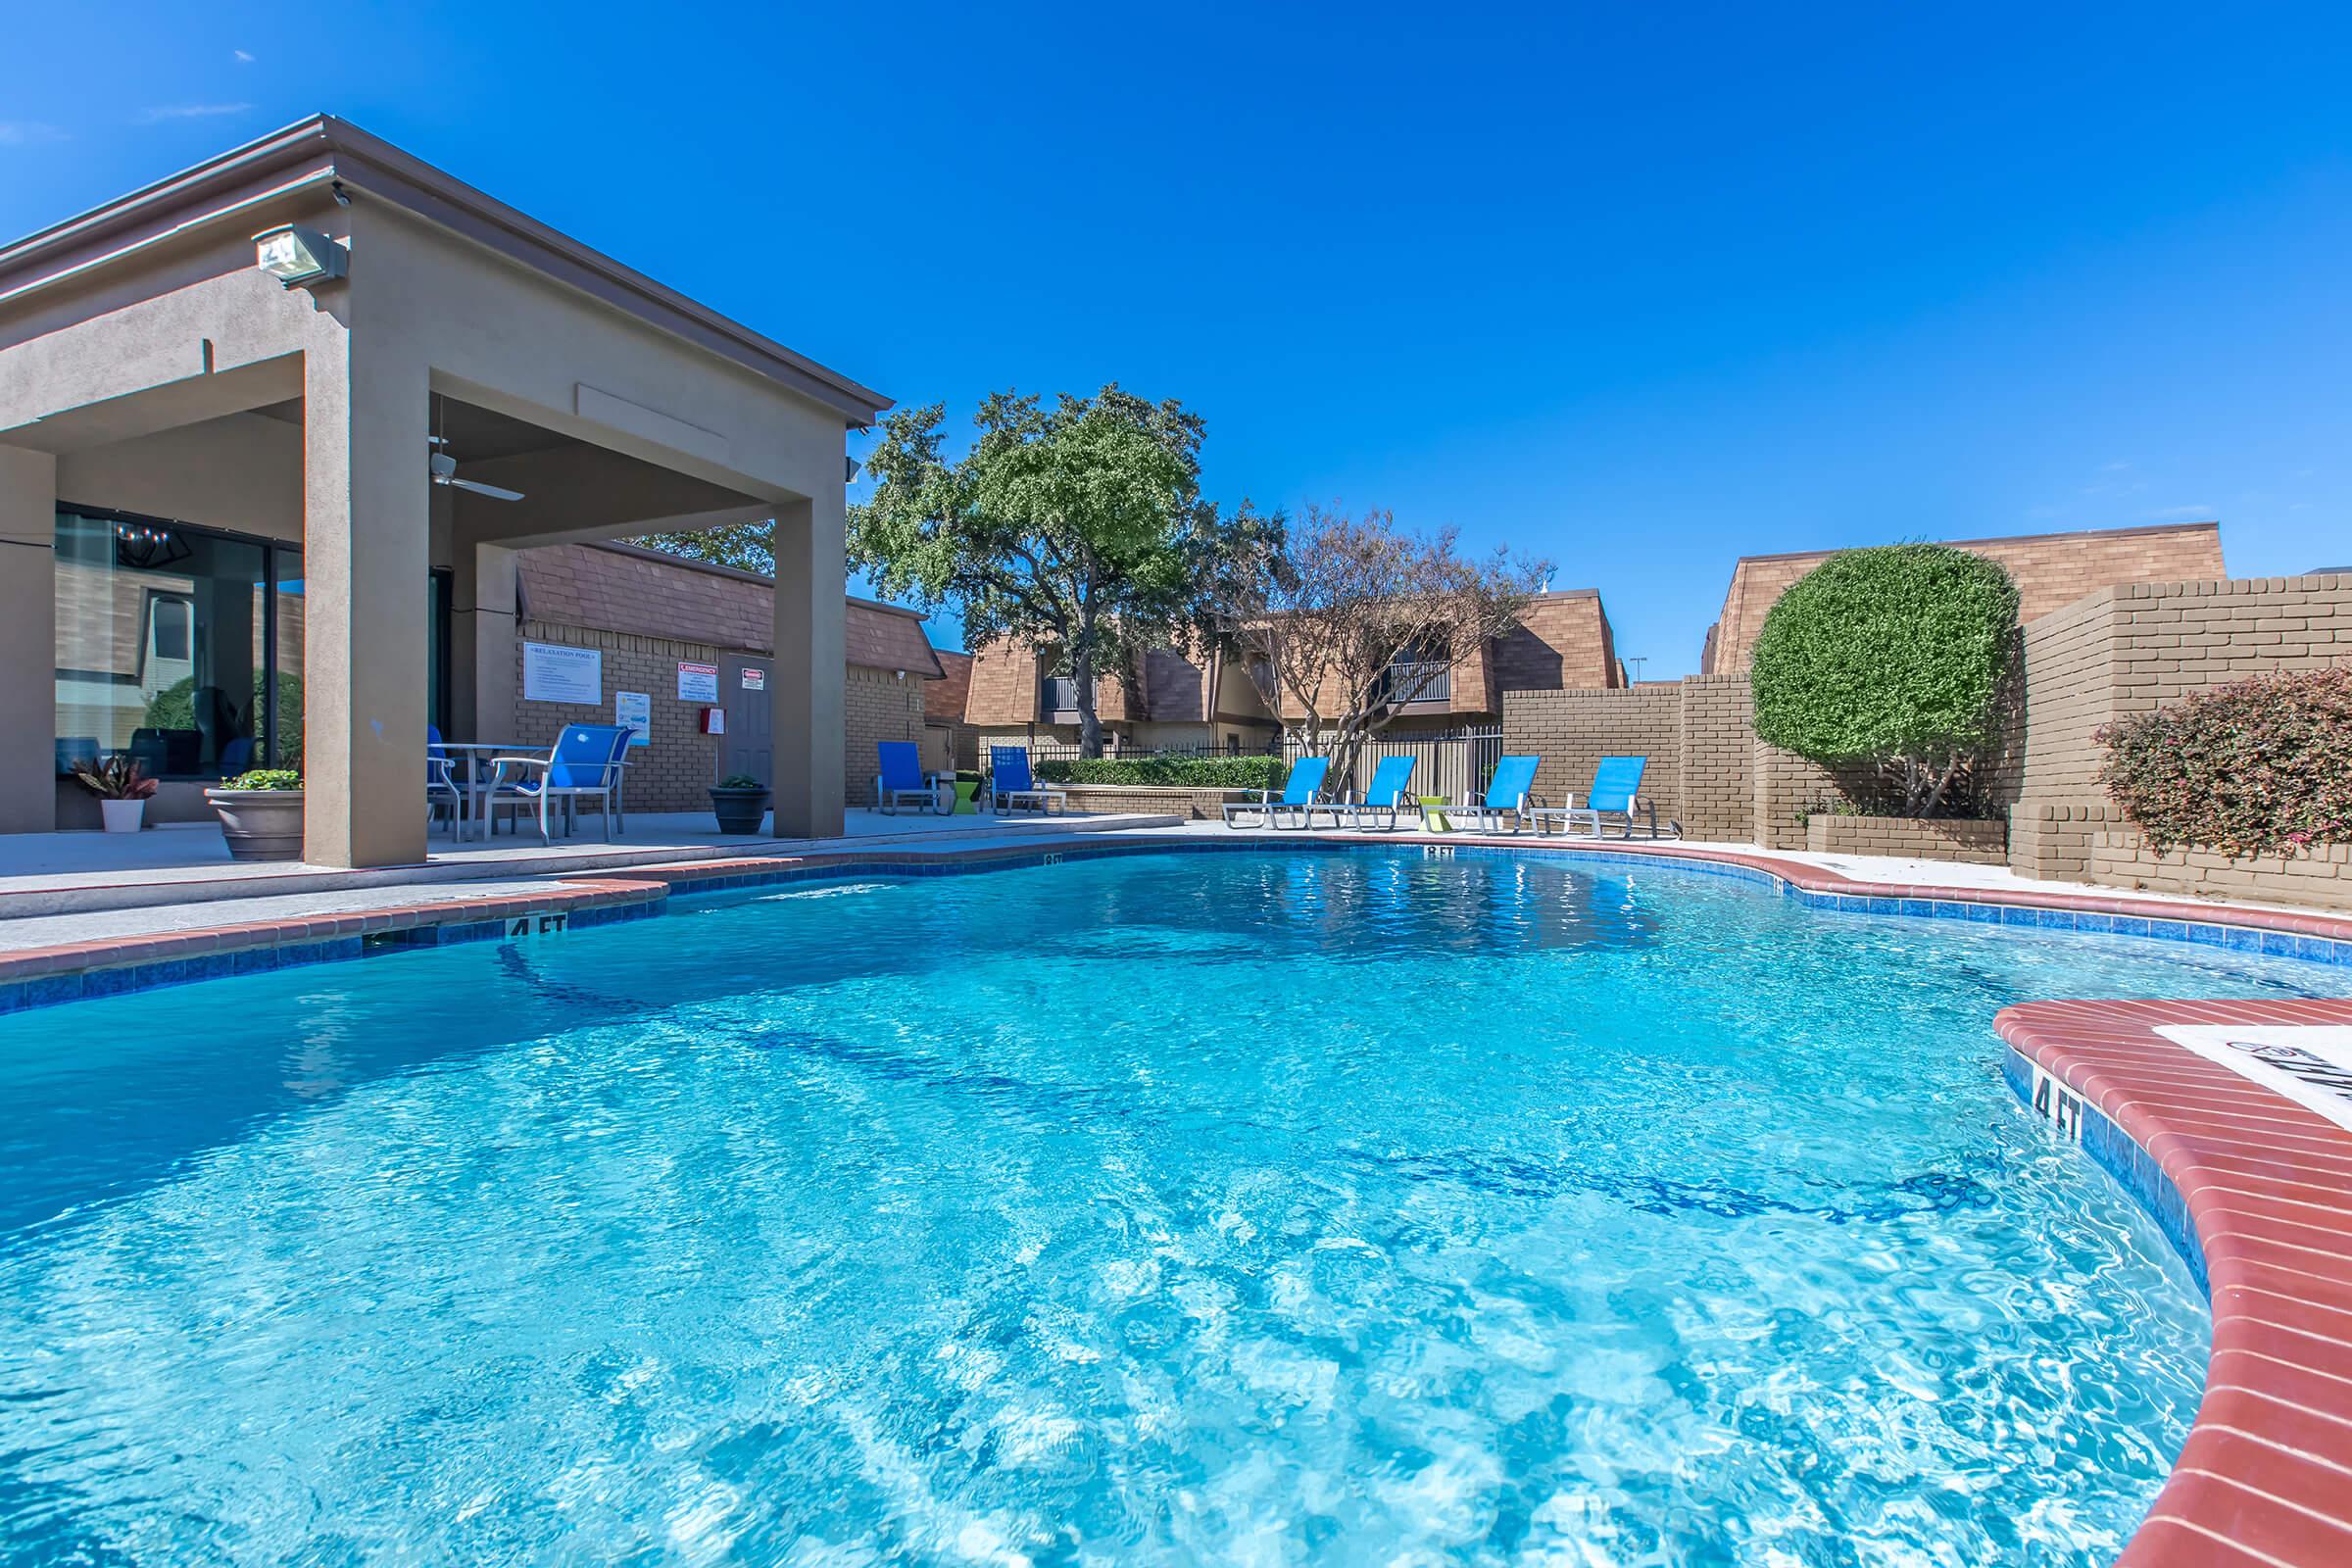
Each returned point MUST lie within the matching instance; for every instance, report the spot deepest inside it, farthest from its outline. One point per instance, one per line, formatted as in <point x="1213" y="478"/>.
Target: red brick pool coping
<point x="2265" y="1474"/>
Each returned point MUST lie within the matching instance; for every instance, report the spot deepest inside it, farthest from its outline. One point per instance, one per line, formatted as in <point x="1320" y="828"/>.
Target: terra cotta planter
<point x="259" y="824"/>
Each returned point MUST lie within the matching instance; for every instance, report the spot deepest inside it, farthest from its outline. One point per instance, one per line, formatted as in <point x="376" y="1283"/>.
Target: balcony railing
<point x="1057" y="699"/>
<point x="1417" y="681"/>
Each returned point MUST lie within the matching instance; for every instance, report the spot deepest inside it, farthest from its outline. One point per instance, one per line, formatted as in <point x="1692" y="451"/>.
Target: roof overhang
<point x="333" y="154"/>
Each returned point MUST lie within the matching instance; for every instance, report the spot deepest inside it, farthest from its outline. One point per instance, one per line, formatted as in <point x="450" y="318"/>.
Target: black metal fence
<point x="1453" y="763"/>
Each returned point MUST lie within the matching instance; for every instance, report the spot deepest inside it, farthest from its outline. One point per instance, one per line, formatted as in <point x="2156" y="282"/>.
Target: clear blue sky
<point x="1637" y="288"/>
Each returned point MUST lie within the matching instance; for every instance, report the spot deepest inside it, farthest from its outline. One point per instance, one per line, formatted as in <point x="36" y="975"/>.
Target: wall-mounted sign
<point x="554" y="673"/>
<point x="698" y="683"/>
<point x="634" y="713"/>
<point x="755" y="679"/>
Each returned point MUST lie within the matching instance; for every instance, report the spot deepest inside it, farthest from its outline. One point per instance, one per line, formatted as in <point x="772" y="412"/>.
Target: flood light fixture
<point x="294" y="255"/>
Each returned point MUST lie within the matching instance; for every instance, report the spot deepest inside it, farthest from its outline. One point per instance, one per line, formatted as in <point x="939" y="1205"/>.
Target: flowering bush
<point x="2260" y="768"/>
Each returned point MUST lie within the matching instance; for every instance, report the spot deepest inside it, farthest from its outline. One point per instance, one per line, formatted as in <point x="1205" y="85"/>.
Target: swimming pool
<point x="1244" y="1207"/>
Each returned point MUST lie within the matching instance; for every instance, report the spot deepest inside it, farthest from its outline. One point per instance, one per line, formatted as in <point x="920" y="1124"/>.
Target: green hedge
<point x="1171" y="772"/>
<point x="2260" y="768"/>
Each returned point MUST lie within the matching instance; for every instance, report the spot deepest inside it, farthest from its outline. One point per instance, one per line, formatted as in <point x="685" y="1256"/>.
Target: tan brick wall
<point x="1573" y="731"/>
<point x="2132" y="649"/>
<point x="1718" y="758"/>
<point x="1977" y="842"/>
<point x="1197" y="806"/>
<point x="2050" y="571"/>
<point x="876" y="706"/>
<point x="2050" y="838"/>
<point x="675" y="772"/>
<point x="2321" y="880"/>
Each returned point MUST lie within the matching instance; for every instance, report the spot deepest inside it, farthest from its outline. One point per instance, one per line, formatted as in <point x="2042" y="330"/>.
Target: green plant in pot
<point x="740" y="803"/>
<point x="123" y="789"/>
<point x="260" y="813"/>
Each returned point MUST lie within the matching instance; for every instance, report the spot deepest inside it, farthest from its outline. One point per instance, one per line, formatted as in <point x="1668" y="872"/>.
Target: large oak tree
<point x="1076" y="528"/>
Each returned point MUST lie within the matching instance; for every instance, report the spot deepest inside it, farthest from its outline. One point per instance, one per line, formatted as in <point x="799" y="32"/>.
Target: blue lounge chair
<point x="1384" y="797"/>
<point x="1507" y="796"/>
<point x="901" y="780"/>
<point x="587" y="760"/>
<point x="442" y="791"/>
<point x="1009" y="781"/>
<point x="1297" y="794"/>
<point x="1616" y="791"/>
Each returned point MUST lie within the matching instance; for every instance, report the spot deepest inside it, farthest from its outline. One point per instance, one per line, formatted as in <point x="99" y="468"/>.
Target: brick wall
<point x="2322" y="879"/>
<point x="876" y="705"/>
<point x="1718" y="760"/>
<point x="2131" y="649"/>
<point x="1197" y="806"/>
<point x="2050" y="571"/>
<point x="1573" y="731"/>
<point x="675" y="772"/>
<point x="672" y="773"/>
<point x="1978" y="842"/>
<point x="2051" y="839"/>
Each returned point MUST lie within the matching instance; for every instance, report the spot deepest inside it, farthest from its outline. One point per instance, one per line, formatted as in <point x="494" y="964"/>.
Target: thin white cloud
<point x="28" y="132"/>
<point x="164" y="111"/>
<point x="241" y="57"/>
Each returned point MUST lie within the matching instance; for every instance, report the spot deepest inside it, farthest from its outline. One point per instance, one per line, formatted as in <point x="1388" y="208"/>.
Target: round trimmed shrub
<point x="1894" y="655"/>
<point x="2263" y="767"/>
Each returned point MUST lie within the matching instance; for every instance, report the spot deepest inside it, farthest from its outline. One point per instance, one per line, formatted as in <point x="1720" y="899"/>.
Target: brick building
<point x="1207" y="699"/>
<point x="691" y="637"/>
<point x="2050" y="569"/>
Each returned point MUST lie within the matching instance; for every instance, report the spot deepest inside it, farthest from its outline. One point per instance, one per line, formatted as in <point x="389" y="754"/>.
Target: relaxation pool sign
<point x="2310" y="1065"/>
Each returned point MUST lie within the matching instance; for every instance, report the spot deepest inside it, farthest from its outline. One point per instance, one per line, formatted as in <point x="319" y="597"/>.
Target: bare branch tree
<point x="1345" y="620"/>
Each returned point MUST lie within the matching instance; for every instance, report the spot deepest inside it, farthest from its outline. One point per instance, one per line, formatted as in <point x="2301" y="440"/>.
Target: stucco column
<point x="481" y="643"/>
<point x="811" y="658"/>
<point x="28" y="641"/>
<point x="366" y="556"/>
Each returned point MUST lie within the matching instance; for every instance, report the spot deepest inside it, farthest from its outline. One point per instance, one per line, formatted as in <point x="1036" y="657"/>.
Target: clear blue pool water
<point x="1259" y="1209"/>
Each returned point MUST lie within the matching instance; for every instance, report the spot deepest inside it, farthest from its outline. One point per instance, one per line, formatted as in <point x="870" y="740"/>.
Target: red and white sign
<point x="755" y="679"/>
<point x="698" y="683"/>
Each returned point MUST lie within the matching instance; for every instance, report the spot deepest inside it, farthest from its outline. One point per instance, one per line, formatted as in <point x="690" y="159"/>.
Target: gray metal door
<point x="747" y="746"/>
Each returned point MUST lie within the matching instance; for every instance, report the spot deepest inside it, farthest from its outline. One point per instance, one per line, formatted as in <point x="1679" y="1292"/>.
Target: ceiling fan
<point x="444" y="470"/>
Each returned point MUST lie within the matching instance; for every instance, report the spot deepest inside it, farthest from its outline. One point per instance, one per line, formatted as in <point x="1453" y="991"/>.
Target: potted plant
<point x="260" y="813"/>
<point x="740" y="801"/>
<point x="121" y="787"/>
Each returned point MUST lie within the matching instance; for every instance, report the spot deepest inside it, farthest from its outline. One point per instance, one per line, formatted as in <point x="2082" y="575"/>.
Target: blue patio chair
<point x="902" y="778"/>
<point x="1298" y="794"/>
<point x="1616" y="791"/>
<point x="1383" y="798"/>
<point x="1509" y="796"/>
<point x="442" y="791"/>
<point x="586" y="762"/>
<point x="1010" y="780"/>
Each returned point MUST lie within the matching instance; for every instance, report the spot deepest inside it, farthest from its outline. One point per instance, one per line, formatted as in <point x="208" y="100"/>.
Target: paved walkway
<point x="47" y="874"/>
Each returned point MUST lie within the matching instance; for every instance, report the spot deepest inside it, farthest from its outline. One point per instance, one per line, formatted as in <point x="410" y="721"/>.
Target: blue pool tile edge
<point x="2132" y="1167"/>
<point x="53" y="990"/>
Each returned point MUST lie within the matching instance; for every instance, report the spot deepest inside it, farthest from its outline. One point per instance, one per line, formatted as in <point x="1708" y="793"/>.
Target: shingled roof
<point x="943" y="700"/>
<point x="627" y="588"/>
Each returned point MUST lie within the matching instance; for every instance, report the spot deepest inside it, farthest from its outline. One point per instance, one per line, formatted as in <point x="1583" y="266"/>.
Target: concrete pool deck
<point x="2260" y="1185"/>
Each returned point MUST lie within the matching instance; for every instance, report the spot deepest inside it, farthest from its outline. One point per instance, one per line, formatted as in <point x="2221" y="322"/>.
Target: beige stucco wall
<point x="140" y="378"/>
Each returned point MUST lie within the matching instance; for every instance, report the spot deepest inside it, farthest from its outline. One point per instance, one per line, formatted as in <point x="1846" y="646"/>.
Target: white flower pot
<point x="122" y="816"/>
